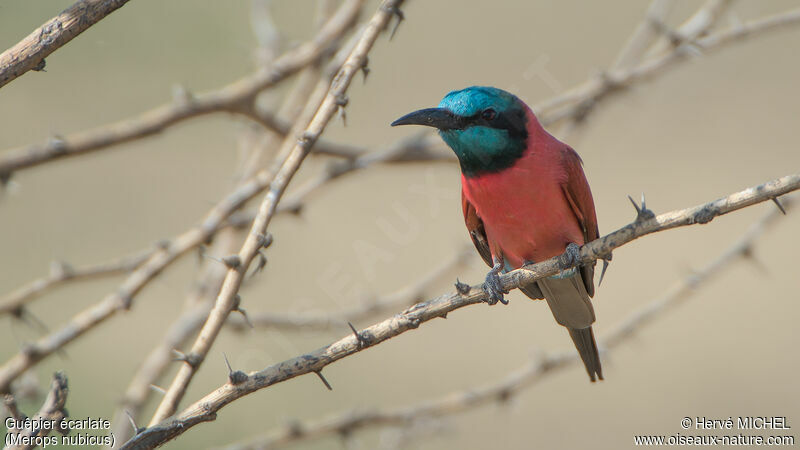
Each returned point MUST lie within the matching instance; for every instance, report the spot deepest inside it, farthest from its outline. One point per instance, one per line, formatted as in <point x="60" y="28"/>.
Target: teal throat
<point x="482" y="150"/>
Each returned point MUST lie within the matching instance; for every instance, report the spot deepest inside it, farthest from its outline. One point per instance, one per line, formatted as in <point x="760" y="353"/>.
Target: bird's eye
<point x="488" y="114"/>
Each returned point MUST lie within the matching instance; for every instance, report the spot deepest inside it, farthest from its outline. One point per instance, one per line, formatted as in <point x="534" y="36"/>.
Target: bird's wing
<point x="576" y="190"/>
<point x="476" y="230"/>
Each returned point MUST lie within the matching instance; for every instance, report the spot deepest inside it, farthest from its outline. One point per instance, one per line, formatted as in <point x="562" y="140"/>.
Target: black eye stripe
<point x="513" y="121"/>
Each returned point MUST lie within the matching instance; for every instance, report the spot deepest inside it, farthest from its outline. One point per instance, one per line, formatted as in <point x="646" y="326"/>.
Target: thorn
<point x="400" y="17"/>
<point x="462" y="288"/>
<point x="235" y="377"/>
<point x="262" y="261"/>
<point x="181" y="95"/>
<point x="163" y="244"/>
<point x="295" y="428"/>
<point x="5" y="177"/>
<point x="642" y="213"/>
<point x="603" y="272"/>
<point x="29" y="350"/>
<point x="504" y="396"/>
<point x="192" y="359"/>
<point x="246" y="318"/>
<point x="748" y="254"/>
<point x="322" y="378"/>
<point x="705" y="215"/>
<point x="232" y="261"/>
<point x="40" y="66"/>
<point x="365" y="68"/>
<point x="635" y="206"/>
<point x="264" y="240"/>
<point x="361" y="341"/>
<point x="158" y="389"/>
<point x="125" y="301"/>
<point x="341" y="102"/>
<point x="201" y="253"/>
<point x="61" y="270"/>
<point x="136" y="430"/>
<point x="237" y="300"/>
<point x="31" y="319"/>
<point x="778" y="204"/>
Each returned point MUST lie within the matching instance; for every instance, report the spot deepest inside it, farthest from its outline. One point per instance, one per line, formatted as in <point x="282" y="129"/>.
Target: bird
<point x="525" y="199"/>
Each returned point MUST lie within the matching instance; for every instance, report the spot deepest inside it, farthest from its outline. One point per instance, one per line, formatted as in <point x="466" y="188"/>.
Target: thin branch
<point x="255" y="239"/>
<point x="419" y="148"/>
<point x="206" y="408"/>
<point x="62" y="273"/>
<point x="577" y="100"/>
<point x="52" y="410"/>
<point x="29" y="53"/>
<point x="644" y="35"/>
<point x="168" y="253"/>
<point x="519" y="380"/>
<point x="237" y="97"/>
<point x="201" y="300"/>
<point x="405" y="296"/>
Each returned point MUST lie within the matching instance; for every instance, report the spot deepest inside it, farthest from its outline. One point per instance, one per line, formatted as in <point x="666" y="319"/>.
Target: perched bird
<point x="525" y="199"/>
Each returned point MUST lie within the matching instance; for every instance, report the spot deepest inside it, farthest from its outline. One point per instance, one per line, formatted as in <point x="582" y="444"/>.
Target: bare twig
<point x="206" y="408"/>
<point x="255" y="240"/>
<point x="577" y="100"/>
<point x="29" y="53"/>
<point x="419" y="148"/>
<point x="163" y="257"/>
<point x="61" y="273"/>
<point x="201" y="300"/>
<point x="518" y="380"/>
<point x="405" y="296"/>
<point x="51" y="413"/>
<point x="643" y="36"/>
<point x="237" y="97"/>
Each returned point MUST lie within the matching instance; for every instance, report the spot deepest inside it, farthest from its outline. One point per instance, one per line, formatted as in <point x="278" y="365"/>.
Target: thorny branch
<point x="238" y="97"/>
<point x="61" y="273"/>
<point x="169" y="252"/>
<point x="201" y="300"/>
<point x="228" y="296"/>
<point x="524" y="377"/>
<point x="29" y="53"/>
<point x="52" y="409"/>
<point x="682" y="40"/>
<point x="206" y="408"/>
<point x="405" y="296"/>
<point x="574" y="103"/>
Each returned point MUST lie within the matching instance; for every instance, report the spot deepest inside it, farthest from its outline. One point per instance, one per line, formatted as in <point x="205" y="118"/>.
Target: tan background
<point x="723" y="122"/>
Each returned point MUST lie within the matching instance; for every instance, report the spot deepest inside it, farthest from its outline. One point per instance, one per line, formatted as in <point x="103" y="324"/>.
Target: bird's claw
<point x="493" y="287"/>
<point x="571" y="256"/>
<point x="642" y="213"/>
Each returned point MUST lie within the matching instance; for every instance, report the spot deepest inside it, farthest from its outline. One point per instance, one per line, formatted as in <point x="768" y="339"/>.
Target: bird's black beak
<point x="431" y="117"/>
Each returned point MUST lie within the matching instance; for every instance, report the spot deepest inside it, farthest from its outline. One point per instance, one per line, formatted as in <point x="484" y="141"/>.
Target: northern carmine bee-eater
<point x="525" y="199"/>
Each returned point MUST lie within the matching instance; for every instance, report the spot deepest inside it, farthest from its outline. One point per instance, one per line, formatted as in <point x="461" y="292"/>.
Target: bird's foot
<point x="571" y="256"/>
<point x="642" y="213"/>
<point x="493" y="287"/>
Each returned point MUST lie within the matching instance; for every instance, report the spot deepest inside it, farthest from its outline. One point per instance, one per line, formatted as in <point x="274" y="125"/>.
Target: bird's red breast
<point x="533" y="209"/>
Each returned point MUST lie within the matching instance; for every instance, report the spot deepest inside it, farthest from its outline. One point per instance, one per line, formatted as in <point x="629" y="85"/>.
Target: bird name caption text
<point x="28" y="432"/>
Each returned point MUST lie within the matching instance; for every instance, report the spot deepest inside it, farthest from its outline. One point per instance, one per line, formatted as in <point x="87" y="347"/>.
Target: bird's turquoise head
<point x="485" y="127"/>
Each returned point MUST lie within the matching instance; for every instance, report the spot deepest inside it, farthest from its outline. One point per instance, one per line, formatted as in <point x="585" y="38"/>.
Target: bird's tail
<point x="566" y="295"/>
<point x="587" y="348"/>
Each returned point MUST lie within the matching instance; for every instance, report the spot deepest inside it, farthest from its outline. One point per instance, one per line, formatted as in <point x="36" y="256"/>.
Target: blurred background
<point x="703" y="129"/>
